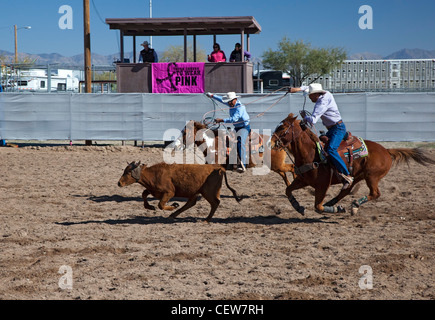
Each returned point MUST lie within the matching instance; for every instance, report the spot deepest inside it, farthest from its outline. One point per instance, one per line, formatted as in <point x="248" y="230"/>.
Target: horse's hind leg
<point x="372" y="183"/>
<point x="343" y="193"/>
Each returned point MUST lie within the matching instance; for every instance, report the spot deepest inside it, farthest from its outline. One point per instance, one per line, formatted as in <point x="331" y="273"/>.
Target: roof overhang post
<point x="185" y="45"/>
<point x="248" y="43"/>
<point x="194" y="48"/>
<point x="242" y="42"/>
<point x="134" y="49"/>
<point x="121" y="36"/>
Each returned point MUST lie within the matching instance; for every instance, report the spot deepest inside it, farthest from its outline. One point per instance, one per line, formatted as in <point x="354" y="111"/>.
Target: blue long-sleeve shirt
<point x="238" y="114"/>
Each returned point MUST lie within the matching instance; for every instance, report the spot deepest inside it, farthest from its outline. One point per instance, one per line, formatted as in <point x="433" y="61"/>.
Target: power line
<point x="104" y="22"/>
<point x="98" y="13"/>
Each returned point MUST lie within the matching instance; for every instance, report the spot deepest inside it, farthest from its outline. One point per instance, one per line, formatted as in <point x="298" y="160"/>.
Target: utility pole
<point x="16" y="40"/>
<point x="16" y="44"/>
<point x="151" y="15"/>
<point x="87" y="46"/>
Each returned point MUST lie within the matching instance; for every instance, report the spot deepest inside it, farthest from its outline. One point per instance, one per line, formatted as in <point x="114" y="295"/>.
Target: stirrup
<point x="347" y="181"/>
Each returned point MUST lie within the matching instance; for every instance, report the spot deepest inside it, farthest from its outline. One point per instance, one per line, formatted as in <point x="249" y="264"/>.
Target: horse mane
<point x="291" y="118"/>
<point x="312" y="135"/>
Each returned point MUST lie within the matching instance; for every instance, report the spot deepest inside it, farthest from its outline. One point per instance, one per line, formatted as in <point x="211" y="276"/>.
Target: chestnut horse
<point x="210" y="138"/>
<point x="301" y="142"/>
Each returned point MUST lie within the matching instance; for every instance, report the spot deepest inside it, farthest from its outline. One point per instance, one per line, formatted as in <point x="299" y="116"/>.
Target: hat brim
<point x="316" y="91"/>
<point x="227" y="99"/>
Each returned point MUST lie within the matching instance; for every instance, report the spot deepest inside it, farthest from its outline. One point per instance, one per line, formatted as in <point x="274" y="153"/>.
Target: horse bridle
<point x="303" y="168"/>
<point x="290" y="125"/>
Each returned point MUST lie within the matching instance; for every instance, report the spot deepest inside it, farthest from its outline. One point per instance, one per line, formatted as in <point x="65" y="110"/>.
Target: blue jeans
<point x="336" y="135"/>
<point x="242" y="138"/>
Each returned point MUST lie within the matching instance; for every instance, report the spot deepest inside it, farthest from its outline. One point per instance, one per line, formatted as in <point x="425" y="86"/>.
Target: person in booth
<point x="217" y="55"/>
<point x="236" y="55"/>
<point x="148" y="54"/>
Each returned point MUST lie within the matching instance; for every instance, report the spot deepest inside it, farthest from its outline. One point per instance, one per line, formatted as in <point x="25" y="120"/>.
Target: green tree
<point x="300" y="60"/>
<point x="176" y="54"/>
<point x="23" y="59"/>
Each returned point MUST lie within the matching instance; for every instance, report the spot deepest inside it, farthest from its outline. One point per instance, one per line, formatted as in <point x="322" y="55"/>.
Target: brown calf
<point x="165" y="181"/>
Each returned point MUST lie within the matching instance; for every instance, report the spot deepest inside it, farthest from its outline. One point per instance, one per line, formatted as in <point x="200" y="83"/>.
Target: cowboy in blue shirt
<point x="326" y="109"/>
<point x="240" y="119"/>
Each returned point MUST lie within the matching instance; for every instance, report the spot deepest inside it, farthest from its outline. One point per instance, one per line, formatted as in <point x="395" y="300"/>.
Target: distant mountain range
<point x="99" y="60"/>
<point x="60" y="60"/>
<point x="401" y="54"/>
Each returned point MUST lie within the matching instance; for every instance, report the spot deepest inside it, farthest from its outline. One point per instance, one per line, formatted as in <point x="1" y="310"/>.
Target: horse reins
<point x="299" y="170"/>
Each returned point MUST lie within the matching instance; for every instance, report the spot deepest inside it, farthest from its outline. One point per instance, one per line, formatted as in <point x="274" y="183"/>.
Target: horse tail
<point x="403" y="155"/>
<point x="238" y="199"/>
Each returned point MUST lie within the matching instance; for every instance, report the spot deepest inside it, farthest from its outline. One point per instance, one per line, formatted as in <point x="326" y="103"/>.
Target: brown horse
<point x="210" y="141"/>
<point x="301" y="142"/>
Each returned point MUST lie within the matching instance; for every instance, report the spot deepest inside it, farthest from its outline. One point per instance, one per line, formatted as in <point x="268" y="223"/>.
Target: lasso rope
<point x="257" y="116"/>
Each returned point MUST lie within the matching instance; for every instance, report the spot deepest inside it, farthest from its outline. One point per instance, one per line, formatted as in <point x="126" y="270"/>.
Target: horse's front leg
<point x="329" y="207"/>
<point x="296" y="184"/>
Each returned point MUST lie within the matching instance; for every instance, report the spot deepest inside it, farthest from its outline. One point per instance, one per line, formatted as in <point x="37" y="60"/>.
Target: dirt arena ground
<point x="61" y="206"/>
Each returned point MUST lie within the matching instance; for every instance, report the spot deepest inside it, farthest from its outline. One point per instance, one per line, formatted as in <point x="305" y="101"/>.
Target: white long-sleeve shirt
<point x="325" y="108"/>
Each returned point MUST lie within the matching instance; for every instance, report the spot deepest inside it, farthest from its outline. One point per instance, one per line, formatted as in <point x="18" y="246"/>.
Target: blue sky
<point x="397" y="24"/>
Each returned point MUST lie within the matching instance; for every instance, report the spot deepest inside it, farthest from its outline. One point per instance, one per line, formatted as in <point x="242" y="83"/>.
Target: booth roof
<point x="190" y="25"/>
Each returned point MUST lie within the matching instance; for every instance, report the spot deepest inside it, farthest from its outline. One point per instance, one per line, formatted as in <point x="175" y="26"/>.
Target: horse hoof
<point x="175" y="205"/>
<point x="301" y="210"/>
<point x="353" y="211"/>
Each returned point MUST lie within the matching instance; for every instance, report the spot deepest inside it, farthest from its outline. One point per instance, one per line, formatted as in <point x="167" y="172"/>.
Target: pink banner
<point x="178" y="77"/>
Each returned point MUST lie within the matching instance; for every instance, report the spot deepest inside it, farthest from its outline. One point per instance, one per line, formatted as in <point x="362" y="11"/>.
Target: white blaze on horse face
<point x="209" y="141"/>
<point x="207" y="136"/>
<point x="177" y="144"/>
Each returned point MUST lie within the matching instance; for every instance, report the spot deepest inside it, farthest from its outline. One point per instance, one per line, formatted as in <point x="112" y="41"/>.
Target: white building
<point x="373" y="75"/>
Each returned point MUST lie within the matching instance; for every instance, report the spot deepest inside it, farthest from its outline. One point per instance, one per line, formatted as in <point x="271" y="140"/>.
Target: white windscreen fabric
<point x="136" y="116"/>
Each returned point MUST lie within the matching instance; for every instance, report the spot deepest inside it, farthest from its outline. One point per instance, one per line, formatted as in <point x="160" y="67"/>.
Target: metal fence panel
<point x="136" y="116"/>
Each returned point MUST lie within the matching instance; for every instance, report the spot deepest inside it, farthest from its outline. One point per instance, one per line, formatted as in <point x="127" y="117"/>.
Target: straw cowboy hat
<point x="230" y="96"/>
<point x="315" y="88"/>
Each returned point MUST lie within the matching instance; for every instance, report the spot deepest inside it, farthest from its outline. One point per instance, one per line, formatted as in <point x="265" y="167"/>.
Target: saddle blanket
<point x="359" y="150"/>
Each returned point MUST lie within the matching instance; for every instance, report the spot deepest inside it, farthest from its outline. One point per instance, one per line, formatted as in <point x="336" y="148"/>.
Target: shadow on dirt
<point x="119" y="198"/>
<point x="260" y="220"/>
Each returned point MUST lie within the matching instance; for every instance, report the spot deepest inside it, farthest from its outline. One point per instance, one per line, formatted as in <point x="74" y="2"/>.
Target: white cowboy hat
<point x="230" y="96"/>
<point x="145" y="43"/>
<point x="315" y="88"/>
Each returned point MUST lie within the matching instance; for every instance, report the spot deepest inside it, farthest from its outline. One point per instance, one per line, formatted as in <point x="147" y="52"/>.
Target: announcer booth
<point x="198" y="76"/>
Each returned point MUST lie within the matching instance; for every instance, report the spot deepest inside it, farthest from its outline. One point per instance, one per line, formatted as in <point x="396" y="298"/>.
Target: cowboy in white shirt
<point x="326" y="109"/>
